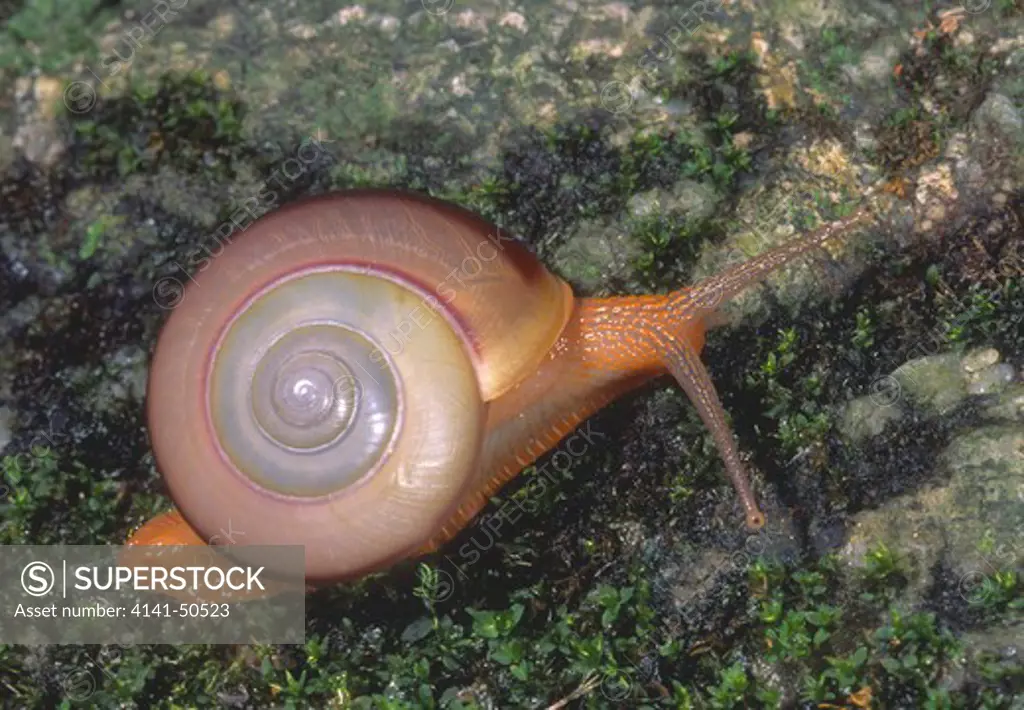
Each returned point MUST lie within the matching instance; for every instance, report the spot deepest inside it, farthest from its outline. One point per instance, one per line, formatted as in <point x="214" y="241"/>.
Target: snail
<point x="358" y="373"/>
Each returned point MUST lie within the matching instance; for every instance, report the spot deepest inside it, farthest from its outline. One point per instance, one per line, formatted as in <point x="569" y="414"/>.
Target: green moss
<point x="832" y="49"/>
<point x="798" y="407"/>
<point x="610" y="645"/>
<point x="50" y="33"/>
<point x="184" y="121"/>
<point x="930" y="103"/>
<point x="662" y="240"/>
<point x="1009" y="8"/>
<point x="32" y="480"/>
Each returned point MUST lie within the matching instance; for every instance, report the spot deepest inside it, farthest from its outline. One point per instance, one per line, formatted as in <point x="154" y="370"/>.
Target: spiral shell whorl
<point x="303" y="395"/>
<point x="305" y="428"/>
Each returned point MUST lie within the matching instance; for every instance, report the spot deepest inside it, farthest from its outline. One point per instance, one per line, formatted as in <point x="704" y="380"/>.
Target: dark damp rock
<point x="1000" y="128"/>
<point x="977" y="503"/>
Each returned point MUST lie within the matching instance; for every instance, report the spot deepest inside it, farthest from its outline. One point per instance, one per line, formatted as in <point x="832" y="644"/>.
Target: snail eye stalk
<point x="697" y="305"/>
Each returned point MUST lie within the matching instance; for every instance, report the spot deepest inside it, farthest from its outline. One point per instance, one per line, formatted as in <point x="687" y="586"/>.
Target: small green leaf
<point x="508" y="653"/>
<point x="417" y="630"/>
<point x="860" y="655"/>
<point x="92" y="239"/>
<point x="485" y="623"/>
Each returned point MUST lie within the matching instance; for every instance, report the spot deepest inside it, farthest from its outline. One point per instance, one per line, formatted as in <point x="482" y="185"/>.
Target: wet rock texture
<point x="876" y="389"/>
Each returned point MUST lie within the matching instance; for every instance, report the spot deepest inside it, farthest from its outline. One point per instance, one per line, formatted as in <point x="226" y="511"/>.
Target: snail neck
<point x="606" y="349"/>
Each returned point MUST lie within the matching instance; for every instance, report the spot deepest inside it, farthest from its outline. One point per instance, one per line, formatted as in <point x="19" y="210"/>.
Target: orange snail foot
<point x="170" y="529"/>
<point x="165" y="529"/>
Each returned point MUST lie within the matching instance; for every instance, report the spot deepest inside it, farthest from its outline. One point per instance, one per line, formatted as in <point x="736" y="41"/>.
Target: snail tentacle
<point x="678" y="336"/>
<point x="715" y="290"/>
<point x="684" y="364"/>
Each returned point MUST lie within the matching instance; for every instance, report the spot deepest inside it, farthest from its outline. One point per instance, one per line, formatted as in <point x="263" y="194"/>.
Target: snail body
<point x="358" y="373"/>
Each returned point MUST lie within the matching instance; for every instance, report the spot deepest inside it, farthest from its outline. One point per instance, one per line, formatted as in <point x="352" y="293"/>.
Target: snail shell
<point x="324" y="380"/>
